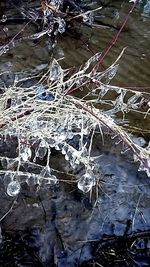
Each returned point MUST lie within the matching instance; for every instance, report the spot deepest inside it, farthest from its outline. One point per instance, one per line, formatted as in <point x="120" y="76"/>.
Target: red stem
<point x="115" y="38"/>
<point x="18" y="116"/>
<point x="108" y="48"/>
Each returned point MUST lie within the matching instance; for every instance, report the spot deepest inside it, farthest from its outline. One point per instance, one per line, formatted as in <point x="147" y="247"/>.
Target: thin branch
<point x="11" y="208"/>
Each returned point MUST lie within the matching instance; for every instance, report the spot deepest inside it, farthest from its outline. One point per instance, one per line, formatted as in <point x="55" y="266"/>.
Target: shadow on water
<point x="60" y="226"/>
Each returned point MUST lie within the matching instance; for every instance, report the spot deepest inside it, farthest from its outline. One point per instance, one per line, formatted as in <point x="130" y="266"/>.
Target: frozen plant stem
<point x="114" y="128"/>
<point x="53" y="119"/>
<point x="115" y="38"/>
<point x="4" y="216"/>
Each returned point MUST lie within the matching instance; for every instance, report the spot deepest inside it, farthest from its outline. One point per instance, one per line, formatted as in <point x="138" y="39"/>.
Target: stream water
<point x="56" y="226"/>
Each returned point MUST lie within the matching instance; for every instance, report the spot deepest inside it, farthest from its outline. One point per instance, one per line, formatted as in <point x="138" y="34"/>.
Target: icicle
<point x="4" y="18"/>
<point x="42" y="149"/>
<point x="86" y="182"/>
<point x="47" y="177"/>
<point x="56" y="72"/>
<point x="25" y="152"/>
<point x="13" y="188"/>
<point x="64" y="149"/>
<point x="61" y="25"/>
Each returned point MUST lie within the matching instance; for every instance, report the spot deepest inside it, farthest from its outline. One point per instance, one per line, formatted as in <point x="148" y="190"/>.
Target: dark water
<point x="52" y="227"/>
<point x="134" y="64"/>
